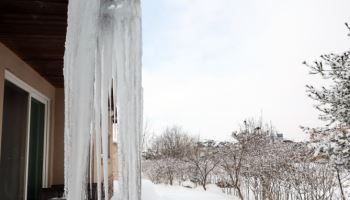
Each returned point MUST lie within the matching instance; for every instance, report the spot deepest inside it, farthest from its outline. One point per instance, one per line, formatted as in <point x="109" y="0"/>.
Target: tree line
<point x="254" y="165"/>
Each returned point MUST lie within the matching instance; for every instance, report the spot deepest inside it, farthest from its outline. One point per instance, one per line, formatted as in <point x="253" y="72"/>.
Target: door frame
<point x="33" y="93"/>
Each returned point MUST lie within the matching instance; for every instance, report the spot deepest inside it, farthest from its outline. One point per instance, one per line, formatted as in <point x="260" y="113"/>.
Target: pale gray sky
<point x="209" y="64"/>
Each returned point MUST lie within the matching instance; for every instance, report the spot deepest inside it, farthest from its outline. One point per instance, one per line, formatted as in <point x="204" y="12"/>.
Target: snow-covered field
<point x="152" y="191"/>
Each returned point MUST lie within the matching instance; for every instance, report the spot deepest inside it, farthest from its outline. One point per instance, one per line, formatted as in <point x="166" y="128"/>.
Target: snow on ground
<point x="182" y="193"/>
<point x="152" y="191"/>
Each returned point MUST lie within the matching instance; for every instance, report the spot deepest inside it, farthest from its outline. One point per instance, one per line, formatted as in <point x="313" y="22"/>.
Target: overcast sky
<point x="209" y="64"/>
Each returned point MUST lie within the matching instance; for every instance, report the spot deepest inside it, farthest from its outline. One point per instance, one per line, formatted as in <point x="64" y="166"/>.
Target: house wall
<point x="11" y="62"/>
<point x="112" y="157"/>
<point x="58" y="162"/>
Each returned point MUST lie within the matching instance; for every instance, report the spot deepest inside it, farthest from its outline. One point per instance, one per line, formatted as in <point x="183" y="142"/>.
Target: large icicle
<point x="103" y="51"/>
<point x="127" y="35"/>
<point x="79" y="68"/>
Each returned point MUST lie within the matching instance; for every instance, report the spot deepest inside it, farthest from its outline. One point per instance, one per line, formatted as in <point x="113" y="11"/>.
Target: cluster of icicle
<point x="103" y="51"/>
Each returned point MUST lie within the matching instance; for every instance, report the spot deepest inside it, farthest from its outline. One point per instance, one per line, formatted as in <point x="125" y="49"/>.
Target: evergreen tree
<point x="334" y="105"/>
<point x="333" y="140"/>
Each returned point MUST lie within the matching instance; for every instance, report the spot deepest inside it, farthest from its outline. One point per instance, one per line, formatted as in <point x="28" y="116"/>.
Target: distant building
<point x="277" y="137"/>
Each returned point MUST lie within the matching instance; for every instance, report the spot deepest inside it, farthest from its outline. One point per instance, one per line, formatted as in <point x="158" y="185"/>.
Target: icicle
<point x="105" y="46"/>
<point x="91" y="158"/>
<point x="104" y="123"/>
<point x="79" y="59"/>
<point x="127" y="35"/>
<point x="103" y="50"/>
<point x="97" y="109"/>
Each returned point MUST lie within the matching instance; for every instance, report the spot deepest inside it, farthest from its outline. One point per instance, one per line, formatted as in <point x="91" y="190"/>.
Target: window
<point x="24" y="141"/>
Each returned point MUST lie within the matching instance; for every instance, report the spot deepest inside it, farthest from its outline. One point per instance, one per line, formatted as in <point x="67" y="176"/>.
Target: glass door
<point x="13" y="142"/>
<point x="36" y="148"/>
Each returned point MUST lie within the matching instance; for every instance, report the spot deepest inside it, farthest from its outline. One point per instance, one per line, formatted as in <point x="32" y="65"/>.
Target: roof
<point x="35" y="30"/>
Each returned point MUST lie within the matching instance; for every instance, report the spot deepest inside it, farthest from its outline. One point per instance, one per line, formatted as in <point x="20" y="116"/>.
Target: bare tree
<point x="167" y="151"/>
<point x="147" y="135"/>
<point x="235" y="155"/>
<point x="203" y="159"/>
